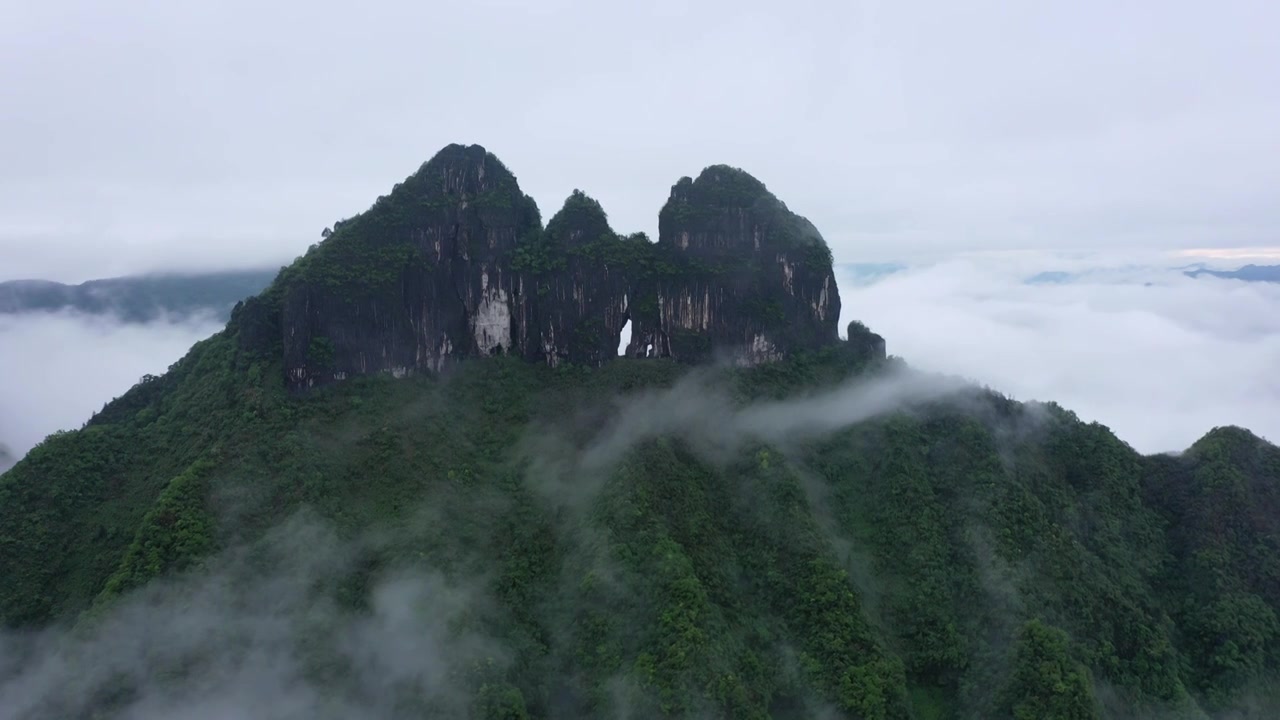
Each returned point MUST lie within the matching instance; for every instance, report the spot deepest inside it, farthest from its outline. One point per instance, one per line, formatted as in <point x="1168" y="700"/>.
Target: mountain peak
<point x="463" y="168"/>
<point x="722" y="186"/>
<point x="454" y="262"/>
<point x="581" y="220"/>
<point x="1227" y="439"/>
<point x="727" y="211"/>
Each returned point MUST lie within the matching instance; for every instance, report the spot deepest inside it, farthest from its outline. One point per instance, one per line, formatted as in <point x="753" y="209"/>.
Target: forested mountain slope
<point x="828" y="534"/>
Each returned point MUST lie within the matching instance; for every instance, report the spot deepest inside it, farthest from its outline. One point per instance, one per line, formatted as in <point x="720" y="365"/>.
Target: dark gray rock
<point x="865" y="343"/>
<point x="579" y="300"/>
<point x="758" y="281"/>
<point x="454" y="263"/>
<point x="420" y="279"/>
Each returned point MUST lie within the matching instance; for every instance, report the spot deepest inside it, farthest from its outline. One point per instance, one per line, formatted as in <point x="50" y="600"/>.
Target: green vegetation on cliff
<point x="828" y="534"/>
<point x="464" y="188"/>
<point x="973" y="558"/>
<point x="722" y="198"/>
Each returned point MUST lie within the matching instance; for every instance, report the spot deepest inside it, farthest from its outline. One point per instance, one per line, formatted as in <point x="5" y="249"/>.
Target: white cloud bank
<point x="57" y="369"/>
<point x="1158" y="357"/>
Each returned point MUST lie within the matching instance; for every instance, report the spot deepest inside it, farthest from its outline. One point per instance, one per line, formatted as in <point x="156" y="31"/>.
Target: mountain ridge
<point x="455" y="262"/>
<point x="138" y="298"/>
<point x="827" y="533"/>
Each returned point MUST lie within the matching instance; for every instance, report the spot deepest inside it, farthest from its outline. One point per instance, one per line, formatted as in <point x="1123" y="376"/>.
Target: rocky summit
<point x="455" y="262"/>
<point x="806" y="529"/>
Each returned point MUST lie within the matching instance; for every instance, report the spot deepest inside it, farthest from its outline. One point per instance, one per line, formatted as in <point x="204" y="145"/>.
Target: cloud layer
<point x="1158" y="357"/>
<point x="57" y="369"/>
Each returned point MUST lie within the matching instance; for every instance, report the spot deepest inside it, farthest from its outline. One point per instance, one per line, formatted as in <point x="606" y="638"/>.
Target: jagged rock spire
<point x="454" y="262"/>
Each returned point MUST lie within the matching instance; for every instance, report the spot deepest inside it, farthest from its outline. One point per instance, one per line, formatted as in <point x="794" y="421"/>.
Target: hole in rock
<point x="624" y="339"/>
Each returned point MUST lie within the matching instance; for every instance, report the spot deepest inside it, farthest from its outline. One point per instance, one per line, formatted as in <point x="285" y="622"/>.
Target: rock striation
<point x="755" y="280"/>
<point x="455" y="263"/>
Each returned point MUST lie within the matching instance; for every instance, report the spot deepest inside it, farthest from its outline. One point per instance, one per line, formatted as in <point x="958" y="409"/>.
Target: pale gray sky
<point x="145" y="134"/>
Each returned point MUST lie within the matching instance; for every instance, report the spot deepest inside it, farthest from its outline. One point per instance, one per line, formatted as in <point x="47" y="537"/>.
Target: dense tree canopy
<point x="974" y="558"/>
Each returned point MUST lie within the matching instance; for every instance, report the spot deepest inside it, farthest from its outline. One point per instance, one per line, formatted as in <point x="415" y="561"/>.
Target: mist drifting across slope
<point x="253" y="632"/>
<point x="256" y="632"/>
<point x="701" y="410"/>
<point x="249" y="635"/>
<point x="1131" y="342"/>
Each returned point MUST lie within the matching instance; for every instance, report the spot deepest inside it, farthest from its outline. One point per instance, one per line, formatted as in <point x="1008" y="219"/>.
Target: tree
<point x="1045" y="682"/>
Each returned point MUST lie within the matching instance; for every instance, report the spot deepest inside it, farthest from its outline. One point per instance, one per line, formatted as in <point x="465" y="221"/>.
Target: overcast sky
<point x="145" y="134"/>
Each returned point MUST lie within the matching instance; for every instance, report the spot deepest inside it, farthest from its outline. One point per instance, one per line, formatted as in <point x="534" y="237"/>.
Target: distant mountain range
<point x="139" y="298"/>
<point x="870" y="273"/>
<point x="1248" y="273"/>
<point x="861" y="274"/>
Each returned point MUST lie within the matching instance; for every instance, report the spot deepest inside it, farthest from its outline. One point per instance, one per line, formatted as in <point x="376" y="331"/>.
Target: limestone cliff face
<point x="759" y="282"/>
<point x="580" y="300"/>
<point x="455" y="263"/>
<point x="420" y="279"/>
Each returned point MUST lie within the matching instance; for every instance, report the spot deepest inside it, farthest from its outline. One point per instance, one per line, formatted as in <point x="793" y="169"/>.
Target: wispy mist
<point x="257" y="632"/>
<point x="705" y="415"/>
<point x="700" y="409"/>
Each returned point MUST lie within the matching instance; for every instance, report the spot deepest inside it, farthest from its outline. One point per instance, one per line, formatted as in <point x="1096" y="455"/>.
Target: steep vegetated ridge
<point x="810" y="529"/>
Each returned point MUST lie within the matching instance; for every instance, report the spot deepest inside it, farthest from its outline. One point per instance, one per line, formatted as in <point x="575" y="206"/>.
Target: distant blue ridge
<point x="864" y="274"/>
<point x="1248" y="273"/>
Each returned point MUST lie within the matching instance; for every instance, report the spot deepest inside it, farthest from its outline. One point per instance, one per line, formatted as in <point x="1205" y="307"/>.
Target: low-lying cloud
<point x="254" y="634"/>
<point x="704" y="414"/>
<point x="57" y="369"/>
<point x="1158" y="357"/>
<point x="701" y="410"/>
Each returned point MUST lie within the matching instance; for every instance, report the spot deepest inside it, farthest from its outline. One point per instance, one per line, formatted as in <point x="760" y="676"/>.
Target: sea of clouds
<point x="58" y="368"/>
<point x="1130" y="342"/>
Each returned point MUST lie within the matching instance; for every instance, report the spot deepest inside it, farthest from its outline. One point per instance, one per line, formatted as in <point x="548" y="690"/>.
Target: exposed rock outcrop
<point x="579" y="294"/>
<point x="864" y="342"/>
<point x="420" y="279"/>
<point x="455" y="263"/>
<point x="757" y="279"/>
